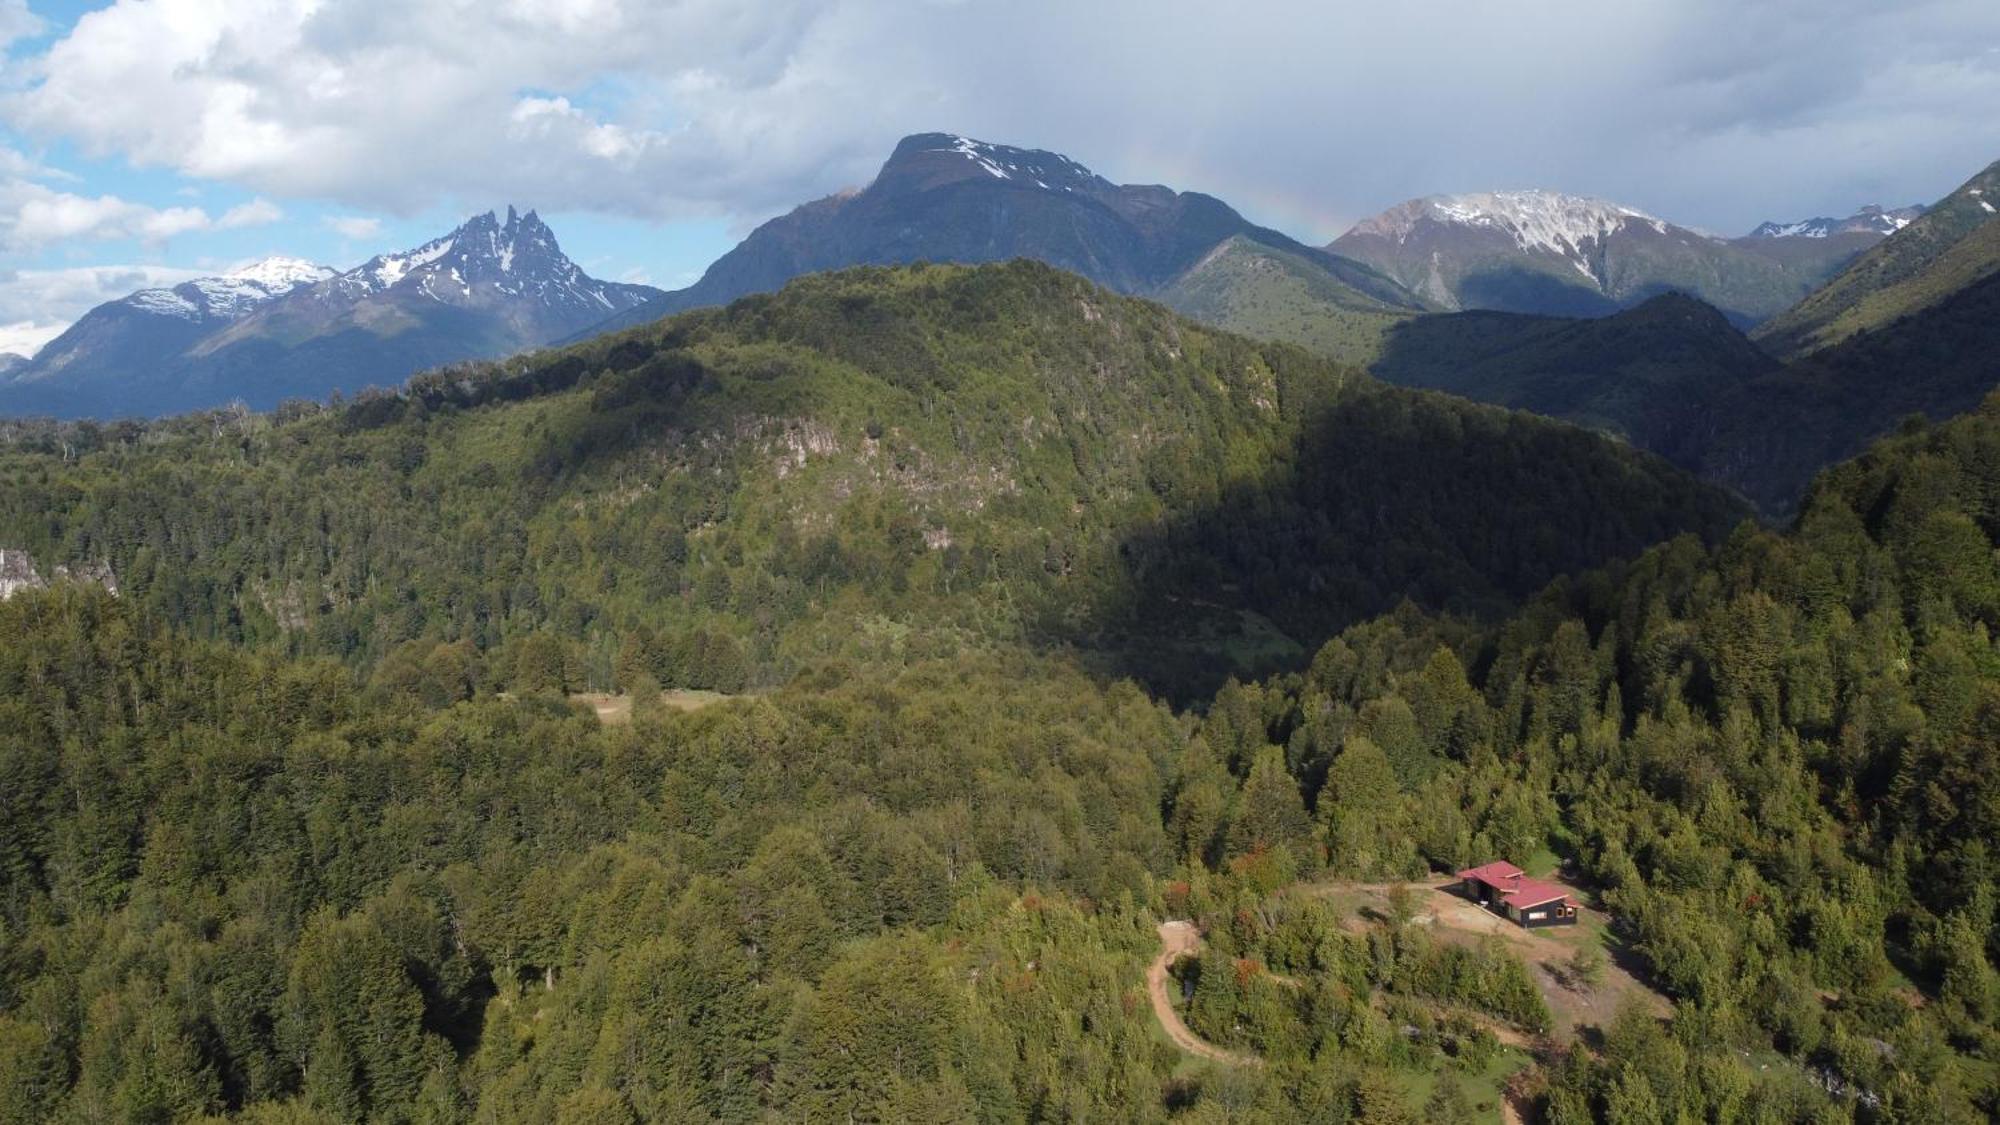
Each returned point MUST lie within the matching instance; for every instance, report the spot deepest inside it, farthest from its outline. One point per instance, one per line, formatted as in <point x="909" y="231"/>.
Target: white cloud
<point x="359" y="228"/>
<point x="543" y="120"/>
<point x="396" y="106"/>
<point x="17" y="22"/>
<point x="26" y="337"/>
<point x="1717" y="112"/>
<point x="34" y="215"/>
<point x="37" y="305"/>
<point x="256" y="213"/>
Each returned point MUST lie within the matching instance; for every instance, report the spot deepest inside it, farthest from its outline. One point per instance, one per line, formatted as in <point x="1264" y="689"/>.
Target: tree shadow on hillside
<point x="1514" y="289"/>
<point x="1390" y="496"/>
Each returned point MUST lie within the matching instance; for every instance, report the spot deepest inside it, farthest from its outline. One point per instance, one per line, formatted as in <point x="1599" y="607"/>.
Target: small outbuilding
<point x="1508" y="891"/>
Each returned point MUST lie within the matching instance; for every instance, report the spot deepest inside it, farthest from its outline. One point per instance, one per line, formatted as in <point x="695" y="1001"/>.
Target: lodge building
<point x="1506" y="890"/>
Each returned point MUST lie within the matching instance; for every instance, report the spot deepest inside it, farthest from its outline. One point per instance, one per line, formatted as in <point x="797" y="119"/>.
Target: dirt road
<point x="1178" y="940"/>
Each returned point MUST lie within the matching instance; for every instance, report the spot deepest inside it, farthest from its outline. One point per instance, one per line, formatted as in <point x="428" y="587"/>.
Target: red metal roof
<point x="1533" y="892"/>
<point x="1499" y="873"/>
<point x="1517" y="890"/>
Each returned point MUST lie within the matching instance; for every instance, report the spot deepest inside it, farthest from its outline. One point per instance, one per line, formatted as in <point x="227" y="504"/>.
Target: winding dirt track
<point x="1178" y="940"/>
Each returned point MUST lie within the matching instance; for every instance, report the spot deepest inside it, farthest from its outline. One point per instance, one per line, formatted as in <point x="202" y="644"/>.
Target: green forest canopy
<point x="869" y="464"/>
<point x="241" y="879"/>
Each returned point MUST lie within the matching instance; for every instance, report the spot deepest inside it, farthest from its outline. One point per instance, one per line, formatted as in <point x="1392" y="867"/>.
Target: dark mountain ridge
<point x="1643" y="374"/>
<point x="1675" y="377"/>
<point x="946" y="198"/>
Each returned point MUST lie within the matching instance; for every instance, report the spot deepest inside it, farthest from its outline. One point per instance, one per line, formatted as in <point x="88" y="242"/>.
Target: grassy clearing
<point x="1484" y="1086"/>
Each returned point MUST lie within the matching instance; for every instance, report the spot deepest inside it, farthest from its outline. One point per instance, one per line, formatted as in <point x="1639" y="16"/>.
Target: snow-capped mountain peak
<point x="1572" y="228"/>
<point x="1872" y="219"/>
<point x="1548" y="220"/>
<point x="231" y="295"/>
<point x="281" y="326"/>
<point x="515" y="257"/>
<point x="279" y="274"/>
<point x="944" y="157"/>
<point x="488" y="261"/>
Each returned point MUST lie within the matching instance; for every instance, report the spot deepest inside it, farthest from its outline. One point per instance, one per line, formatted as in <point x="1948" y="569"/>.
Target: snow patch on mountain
<point x="384" y="270"/>
<point x="164" y="302"/>
<point x="1049" y="171"/>
<point x="1568" y="226"/>
<point x="281" y="274"/>
<point x="1546" y="220"/>
<point x="978" y="154"/>
<point x="486" y="259"/>
<point x="1871" y="219"/>
<point x="231" y="295"/>
<point x="241" y="290"/>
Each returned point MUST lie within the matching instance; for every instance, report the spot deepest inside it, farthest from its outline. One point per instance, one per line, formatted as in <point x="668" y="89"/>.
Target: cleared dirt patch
<point x="616" y="710"/>
<point x="1177" y="940"/>
<point x="611" y="709"/>
<point x="1546" y="951"/>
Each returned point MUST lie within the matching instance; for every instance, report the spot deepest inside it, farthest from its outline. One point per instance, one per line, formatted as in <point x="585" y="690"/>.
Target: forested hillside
<point x="1674" y="377"/>
<point x="1267" y="293"/>
<point x="239" y="883"/>
<point x="1767" y="437"/>
<point x="1775" y="760"/>
<point x="1645" y="374"/>
<point x="1954" y="244"/>
<point x="869" y="464"/>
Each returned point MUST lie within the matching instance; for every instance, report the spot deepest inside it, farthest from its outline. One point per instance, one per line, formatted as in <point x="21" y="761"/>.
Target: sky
<point x="147" y="141"/>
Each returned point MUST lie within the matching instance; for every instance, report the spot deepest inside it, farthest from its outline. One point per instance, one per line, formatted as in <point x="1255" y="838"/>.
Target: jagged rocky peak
<point x="927" y="160"/>
<point x="487" y="259"/>
<point x="521" y="250"/>
<point x="522" y="246"/>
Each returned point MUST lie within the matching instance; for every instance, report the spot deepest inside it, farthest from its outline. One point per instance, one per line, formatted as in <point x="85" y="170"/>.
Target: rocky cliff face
<point x="18" y="573"/>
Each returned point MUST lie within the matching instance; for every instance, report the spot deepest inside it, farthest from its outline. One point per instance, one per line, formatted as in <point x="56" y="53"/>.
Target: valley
<point x="957" y="798"/>
<point x="994" y="642"/>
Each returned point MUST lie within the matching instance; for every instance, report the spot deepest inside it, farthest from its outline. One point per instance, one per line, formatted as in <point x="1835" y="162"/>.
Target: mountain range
<point x="943" y="197"/>
<point x="1675" y="376"/>
<point x="813" y="707"/>
<point x="1589" y="311"/>
<point x="1953" y="244"/>
<point x="1872" y="219"/>
<point x="118" y="347"/>
<point x="285" y="328"/>
<point x="1550" y="253"/>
